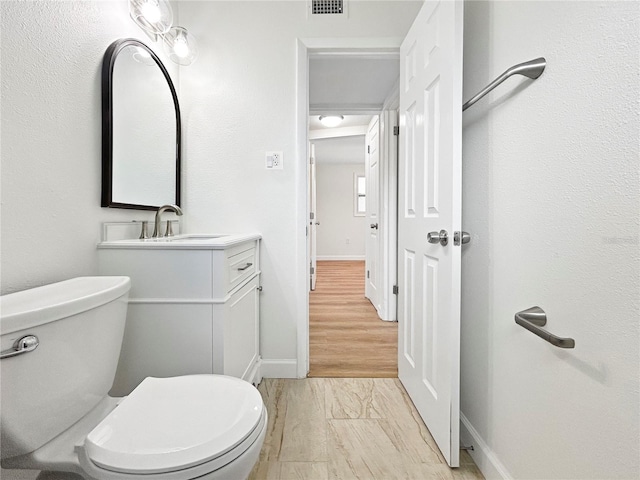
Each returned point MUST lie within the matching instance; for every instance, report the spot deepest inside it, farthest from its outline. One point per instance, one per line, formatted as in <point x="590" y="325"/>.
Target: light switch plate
<point x="273" y="161"/>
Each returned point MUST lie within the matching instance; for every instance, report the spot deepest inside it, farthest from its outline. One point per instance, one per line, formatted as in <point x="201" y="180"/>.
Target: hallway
<point x="346" y="337"/>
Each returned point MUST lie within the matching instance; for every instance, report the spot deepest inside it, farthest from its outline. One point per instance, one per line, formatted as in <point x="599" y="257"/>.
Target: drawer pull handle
<point x="246" y="265"/>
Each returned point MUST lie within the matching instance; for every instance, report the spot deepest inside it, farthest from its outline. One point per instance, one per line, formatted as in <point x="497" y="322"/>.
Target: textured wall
<point x="240" y="101"/>
<point x="551" y="198"/>
<point x="335" y="212"/>
<point x="51" y="137"/>
<point x="237" y="103"/>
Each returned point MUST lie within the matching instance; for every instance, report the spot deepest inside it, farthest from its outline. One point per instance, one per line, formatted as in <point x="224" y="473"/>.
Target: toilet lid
<point x="169" y="424"/>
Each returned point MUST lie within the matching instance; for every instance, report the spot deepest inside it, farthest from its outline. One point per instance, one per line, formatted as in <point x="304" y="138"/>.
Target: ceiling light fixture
<point x="331" y="120"/>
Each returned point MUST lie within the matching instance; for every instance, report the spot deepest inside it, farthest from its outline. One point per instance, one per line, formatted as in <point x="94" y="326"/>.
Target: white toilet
<point x="56" y="415"/>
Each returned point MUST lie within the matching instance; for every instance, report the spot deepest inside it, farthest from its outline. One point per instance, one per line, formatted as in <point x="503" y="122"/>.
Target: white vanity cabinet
<point x="193" y="307"/>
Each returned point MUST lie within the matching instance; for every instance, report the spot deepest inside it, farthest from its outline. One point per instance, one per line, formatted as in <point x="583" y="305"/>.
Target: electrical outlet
<point x="273" y="160"/>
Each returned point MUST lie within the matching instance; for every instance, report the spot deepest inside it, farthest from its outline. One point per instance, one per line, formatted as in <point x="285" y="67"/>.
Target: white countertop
<point x="187" y="241"/>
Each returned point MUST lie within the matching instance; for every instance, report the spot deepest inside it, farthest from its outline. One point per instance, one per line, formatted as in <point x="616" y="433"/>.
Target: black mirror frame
<point x="107" y="123"/>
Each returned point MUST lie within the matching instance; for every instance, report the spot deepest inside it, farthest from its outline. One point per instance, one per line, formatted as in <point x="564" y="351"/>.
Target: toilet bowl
<point x="56" y="414"/>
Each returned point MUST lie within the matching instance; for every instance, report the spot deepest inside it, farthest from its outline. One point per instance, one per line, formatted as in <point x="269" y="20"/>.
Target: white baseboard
<point x="485" y="458"/>
<point x="279" y="368"/>
<point x="340" y="257"/>
<point x="253" y="374"/>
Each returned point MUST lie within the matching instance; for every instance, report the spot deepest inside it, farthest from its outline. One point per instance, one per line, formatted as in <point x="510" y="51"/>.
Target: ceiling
<point x="342" y="144"/>
<point x="351" y="83"/>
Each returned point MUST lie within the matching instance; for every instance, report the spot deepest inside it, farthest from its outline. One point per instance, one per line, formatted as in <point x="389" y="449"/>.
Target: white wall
<point x="51" y="136"/>
<point x="551" y="192"/>
<point x="335" y="192"/>
<point x="551" y="198"/>
<point x="240" y="101"/>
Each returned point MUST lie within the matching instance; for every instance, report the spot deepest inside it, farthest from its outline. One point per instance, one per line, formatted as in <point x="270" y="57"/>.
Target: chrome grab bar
<point x="531" y="69"/>
<point x="533" y="318"/>
<point x="23" y="345"/>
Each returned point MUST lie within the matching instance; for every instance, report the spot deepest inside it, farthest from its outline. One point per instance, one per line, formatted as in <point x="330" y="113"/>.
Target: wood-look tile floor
<point x="346" y="337"/>
<point x="348" y="428"/>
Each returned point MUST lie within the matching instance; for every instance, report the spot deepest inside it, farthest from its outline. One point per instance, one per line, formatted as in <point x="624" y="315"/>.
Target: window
<point x="359" y="195"/>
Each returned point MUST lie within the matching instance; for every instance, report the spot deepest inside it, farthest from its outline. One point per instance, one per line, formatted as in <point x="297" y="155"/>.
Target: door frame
<point x="306" y="47"/>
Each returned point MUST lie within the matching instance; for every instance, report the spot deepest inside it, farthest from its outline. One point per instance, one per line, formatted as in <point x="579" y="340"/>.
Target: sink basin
<point x="186" y="241"/>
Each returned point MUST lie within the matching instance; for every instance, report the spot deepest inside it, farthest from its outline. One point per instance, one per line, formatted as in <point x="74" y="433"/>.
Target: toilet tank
<point x="79" y="324"/>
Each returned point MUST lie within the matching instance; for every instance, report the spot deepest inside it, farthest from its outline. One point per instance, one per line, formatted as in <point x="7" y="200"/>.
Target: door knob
<point x="374" y="225"/>
<point x="461" y="238"/>
<point x="441" y="237"/>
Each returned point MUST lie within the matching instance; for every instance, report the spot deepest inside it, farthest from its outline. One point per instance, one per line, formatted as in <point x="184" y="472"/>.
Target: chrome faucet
<point x="169" y="233"/>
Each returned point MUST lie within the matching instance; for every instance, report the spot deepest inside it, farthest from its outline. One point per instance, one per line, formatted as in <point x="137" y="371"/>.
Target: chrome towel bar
<point x="531" y="69"/>
<point x="533" y="318"/>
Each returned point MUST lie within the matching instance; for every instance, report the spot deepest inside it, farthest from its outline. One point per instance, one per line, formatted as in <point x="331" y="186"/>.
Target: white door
<point x="430" y="201"/>
<point x="372" y="171"/>
<point x="313" y="220"/>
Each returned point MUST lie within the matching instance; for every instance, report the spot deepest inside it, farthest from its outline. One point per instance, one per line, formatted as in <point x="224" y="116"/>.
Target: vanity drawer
<point x="240" y="266"/>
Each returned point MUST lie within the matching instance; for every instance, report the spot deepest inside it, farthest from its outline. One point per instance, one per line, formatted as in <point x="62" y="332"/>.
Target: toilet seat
<point x="172" y="424"/>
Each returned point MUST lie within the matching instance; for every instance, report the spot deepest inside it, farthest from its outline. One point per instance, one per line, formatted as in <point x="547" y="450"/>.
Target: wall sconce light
<point x="156" y="17"/>
<point x="331" y="120"/>
<point x="180" y="46"/>
<point x="153" y="16"/>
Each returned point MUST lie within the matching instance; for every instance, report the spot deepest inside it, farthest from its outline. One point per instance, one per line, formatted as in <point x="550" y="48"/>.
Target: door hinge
<point x="313" y="270"/>
<point x="312" y="215"/>
<point x="367" y="273"/>
<point x="395" y="289"/>
<point x="396" y="130"/>
<point x="368" y="148"/>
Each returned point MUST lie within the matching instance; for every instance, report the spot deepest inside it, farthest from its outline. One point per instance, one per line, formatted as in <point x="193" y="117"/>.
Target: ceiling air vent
<point x="327" y="7"/>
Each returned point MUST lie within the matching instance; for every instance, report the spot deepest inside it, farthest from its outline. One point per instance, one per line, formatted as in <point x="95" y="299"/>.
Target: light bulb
<point x="153" y="16"/>
<point x="151" y="11"/>
<point x="181" y="48"/>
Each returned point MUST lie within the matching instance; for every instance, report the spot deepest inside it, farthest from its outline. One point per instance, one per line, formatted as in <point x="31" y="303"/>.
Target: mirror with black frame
<point x="140" y="129"/>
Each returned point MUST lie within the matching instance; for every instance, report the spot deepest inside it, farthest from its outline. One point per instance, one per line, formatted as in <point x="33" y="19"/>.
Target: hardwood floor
<point x="346" y="337"/>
